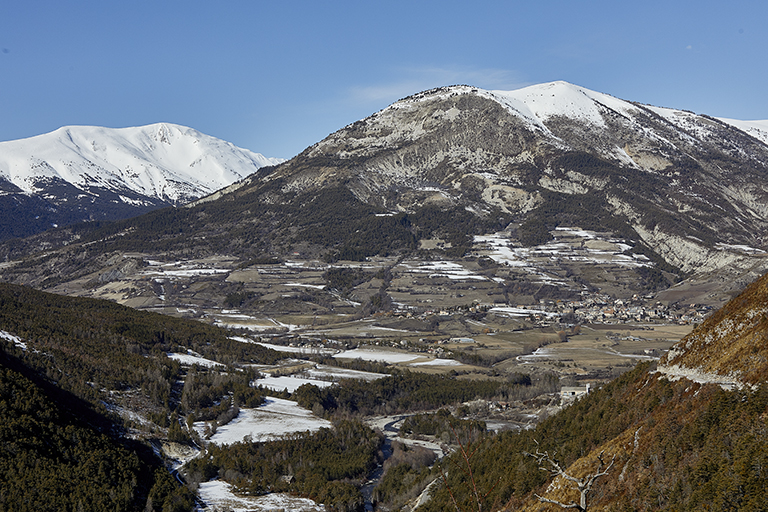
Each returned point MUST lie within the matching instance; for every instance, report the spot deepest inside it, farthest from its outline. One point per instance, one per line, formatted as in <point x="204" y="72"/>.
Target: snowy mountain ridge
<point x="537" y="106"/>
<point x="686" y="191"/>
<point x="538" y="103"/>
<point x="87" y="173"/>
<point x="165" y="161"/>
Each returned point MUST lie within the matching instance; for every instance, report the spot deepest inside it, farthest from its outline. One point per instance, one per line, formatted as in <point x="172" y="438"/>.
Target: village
<point x="590" y="309"/>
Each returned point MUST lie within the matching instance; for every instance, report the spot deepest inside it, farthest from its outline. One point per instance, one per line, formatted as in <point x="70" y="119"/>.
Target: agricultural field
<point x="467" y="315"/>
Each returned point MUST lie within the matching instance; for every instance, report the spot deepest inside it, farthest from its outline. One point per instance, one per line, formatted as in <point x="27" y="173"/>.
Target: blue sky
<point x="276" y="77"/>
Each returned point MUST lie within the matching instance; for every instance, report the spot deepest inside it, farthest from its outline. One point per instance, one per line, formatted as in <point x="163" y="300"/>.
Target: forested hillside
<point x="66" y="364"/>
<point x="677" y="446"/>
<point x="91" y="346"/>
<point x="57" y="453"/>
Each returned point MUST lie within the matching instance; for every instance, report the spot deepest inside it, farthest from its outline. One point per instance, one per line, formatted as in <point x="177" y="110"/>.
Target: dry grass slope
<point x="733" y="342"/>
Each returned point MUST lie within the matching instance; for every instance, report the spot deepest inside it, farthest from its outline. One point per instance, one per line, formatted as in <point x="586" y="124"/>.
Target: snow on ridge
<point x="544" y="101"/>
<point x="374" y="354"/>
<point x="757" y="129"/>
<point x="163" y="160"/>
<point x="536" y="104"/>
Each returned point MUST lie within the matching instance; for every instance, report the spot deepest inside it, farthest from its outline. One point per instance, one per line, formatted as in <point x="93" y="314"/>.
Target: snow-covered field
<point x="450" y="269"/>
<point x="372" y="354"/>
<point x="520" y="312"/>
<point x="438" y="362"/>
<point x="296" y="350"/>
<point x="218" y="495"/>
<point x="333" y="373"/>
<point x="181" y="269"/>
<point x="232" y="320"/>
<point x="561" y="352"/>
<point x="321" y="376"/>
<point x="291" y="383"/>
<point x="271" y="421"/>
<point x="189" y="359"/>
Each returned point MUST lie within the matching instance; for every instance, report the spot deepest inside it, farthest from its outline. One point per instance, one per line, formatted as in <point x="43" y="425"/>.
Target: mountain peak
<point x="542" y="102"/>
<point x="165" y="161"/>
<point x="78" y="173"/>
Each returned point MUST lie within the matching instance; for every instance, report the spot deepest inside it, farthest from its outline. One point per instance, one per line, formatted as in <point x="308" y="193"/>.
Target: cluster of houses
<point x="593" y="308"/>
<point x="598" y="308"/>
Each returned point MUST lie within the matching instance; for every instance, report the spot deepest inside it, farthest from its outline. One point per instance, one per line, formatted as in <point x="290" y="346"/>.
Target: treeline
<point x="53" y="456"/>
<point x="678" y="446"/>
<point x="327" y="466"/>
<point x="403" y="391"/>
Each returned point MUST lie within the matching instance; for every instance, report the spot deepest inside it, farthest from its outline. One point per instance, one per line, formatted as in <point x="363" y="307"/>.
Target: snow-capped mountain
<point x="440" y="168"/>
<point x="692" y="187"/>
<point x="88" y="172"/>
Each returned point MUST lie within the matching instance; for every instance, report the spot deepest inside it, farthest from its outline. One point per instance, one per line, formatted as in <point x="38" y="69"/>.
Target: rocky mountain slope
<point x="83" y="173"/>
<point x="685" y="193"/>
<point x="690" y="187"/>
<point x="730" y="346"/>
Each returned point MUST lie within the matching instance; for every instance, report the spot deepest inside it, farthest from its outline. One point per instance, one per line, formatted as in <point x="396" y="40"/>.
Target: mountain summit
<point x="674" y="193"/>
<point x="81" y="173"/>
<point x="687" y="186"/>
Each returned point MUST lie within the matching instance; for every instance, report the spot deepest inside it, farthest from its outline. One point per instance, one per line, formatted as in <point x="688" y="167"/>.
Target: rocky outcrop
<point x="730" y="346"/>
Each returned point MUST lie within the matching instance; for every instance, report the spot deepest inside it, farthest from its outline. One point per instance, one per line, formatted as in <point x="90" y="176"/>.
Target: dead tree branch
<point x="584" y="485"/>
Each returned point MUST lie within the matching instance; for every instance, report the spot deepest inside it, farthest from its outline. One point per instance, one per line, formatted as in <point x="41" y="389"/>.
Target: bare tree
<point x="584" y="485"/>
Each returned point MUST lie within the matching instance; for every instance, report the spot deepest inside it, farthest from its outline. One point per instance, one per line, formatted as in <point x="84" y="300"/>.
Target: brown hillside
<point x="698" y="448"/>
<point x="732" y="343"/>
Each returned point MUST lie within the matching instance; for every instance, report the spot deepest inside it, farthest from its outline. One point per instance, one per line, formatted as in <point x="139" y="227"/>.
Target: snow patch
<point x="291" y="383"/>
<point x="371" y="354"/>
<point x="189" y="359"/>
<point x="438" y="362"/>
<point x="269" y="422"/>
<point x="219" y="495"/>
<point x="13" y="339"/>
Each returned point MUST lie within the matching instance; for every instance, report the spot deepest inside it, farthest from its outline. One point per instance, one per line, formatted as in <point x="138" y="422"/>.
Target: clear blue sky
<point x="278" y="76"/>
